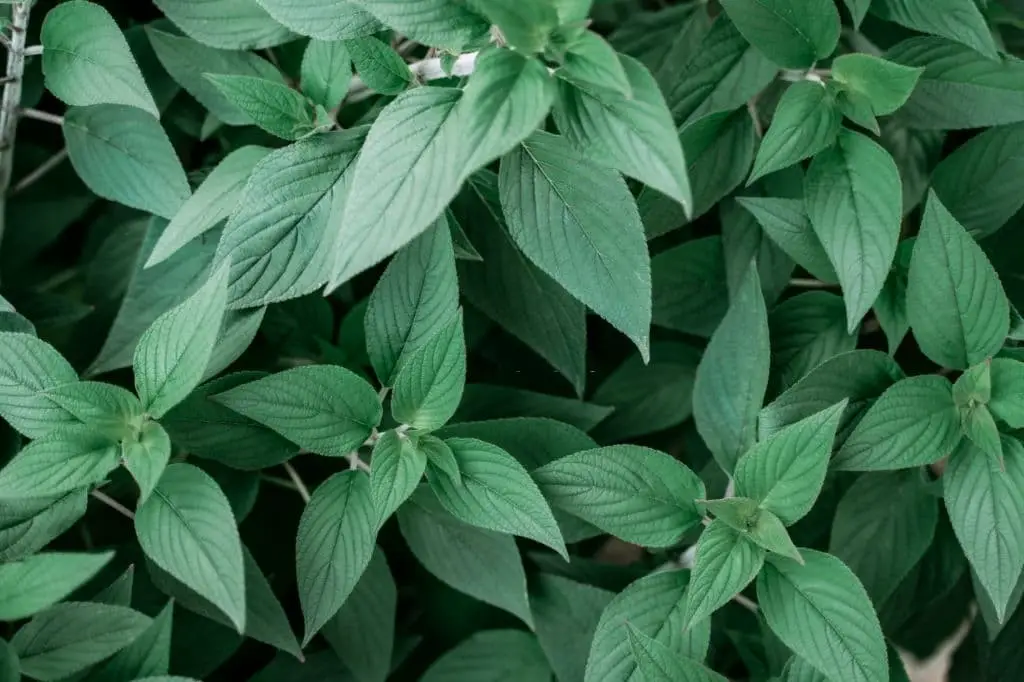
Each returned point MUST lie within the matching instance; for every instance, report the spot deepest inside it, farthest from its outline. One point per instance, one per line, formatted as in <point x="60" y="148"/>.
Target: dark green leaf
<point x="495" y="654"/>
<point x="805" y="122"/>
<point x="725" y="563"/>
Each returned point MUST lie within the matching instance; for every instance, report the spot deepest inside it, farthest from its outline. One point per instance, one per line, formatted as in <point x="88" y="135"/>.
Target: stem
<point x="746" y="602"/>
<point x="425" y="70"/>
<point x="33" y="50"/>
<point x="10" y="101"/>
<point x="300" y="485"/>
<point x="356" y="462"/>
<point x="42" y="116"/>
<point x="113" y="504"/>
<point x="42" y="170"/>
<point x="804" y="283"/>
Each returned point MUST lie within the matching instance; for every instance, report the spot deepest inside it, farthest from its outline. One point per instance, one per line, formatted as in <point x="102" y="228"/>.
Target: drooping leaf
<point x="806" y="122"/>
<point x="37" y="582"/>
<point x="793" y="33"/>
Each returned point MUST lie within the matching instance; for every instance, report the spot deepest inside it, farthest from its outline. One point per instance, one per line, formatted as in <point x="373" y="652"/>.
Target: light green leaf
<point x="799" y="670"/>
<point x="526" y="26"/>
<point x="323" y="19"/>
<point x="787" y="224"/>
<point x="785" y="472"/>
<point x="726" y="562"/>
<point x="688" y="281"/>
<point x="28" y="368"/>
<point x="769" y="532"/>
<point x="409" y="170"/>
<point x="793" y="33"/>
<point x="29" y="532"/>
<point x="566" y="614"/>
<point x="960" y="88"/>
<point x="659" y="664"/>
<point x="507" y="98"/>
<point x="280" y="239"/>
<point x="492" y="654"/>
<point x="858" y="10"/>
<point x="326" y="72"/>
<point x="496" y="493"/>
<point x="854" y="201"/>
<point x="572" y="10"/>
<point x="592" y="61"/>
<point x="273" y="106"/>
<point x="884" y="85"/>
<point x="171" y="357"/>
<point x="640" y="495"/>
<point x="38" y="582"/>
<point x="821" y="612"/>
<point x="214" y="200"/>
<point x="955" y="302"/>
<point x="883" y="525"/>
<point x="634" y="134"/>
<point x="121" y="153"/>
<point x="915" y="422"/>
<point x="66" y="638"/>
<point x="807" y="330"/>
<point x="429" y="383"/>
<point x="958" y="20"/>
<point x="186" y="527"/>
<point x="381" y="68"/>
<point x="415" y="298"/>
<point x="86" y="59"/>
<point x="578" y="223"/>
<point x="227" y="24"/>
<point x="733" y="376"/>
<point x="149" y="654"/>
<point x="323" y="408"/>
<point x="984" y="503"/>
<point x="59" y="463"/>
<point x="147" y="458"/>
<point x="396" y="467"/>
<point x="653" y="605"/>
<point x="440" y="456"/>
<point x="805" y="122"/>
<point x="1007" y="400"/>
<point x="481" y="563"/>
<point x="334" y="545"/>
<point x="442" y="23"/>
<point x="974" y="386"/>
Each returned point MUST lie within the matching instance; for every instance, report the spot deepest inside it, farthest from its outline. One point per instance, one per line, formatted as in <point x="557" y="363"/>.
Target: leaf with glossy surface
<point x="397" y="465"/>
<point x="955" y="302"/>
<point x="28" y="368"/>
<point x="725" y="563"/>
<point x="121" y="153"/>
<point x="429" y="383"/>
<point x="58" y="464"/>
<point x="324" y="19"/>
<point x="227" y="24"/>
<point x="38" y="582"/>
<point x="793" y="33"/>
<point x="805" y="122"/>
<point x="187" y="528"/>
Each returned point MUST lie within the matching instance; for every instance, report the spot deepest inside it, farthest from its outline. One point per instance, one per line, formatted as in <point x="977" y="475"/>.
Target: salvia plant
<point x="299" y="382"/>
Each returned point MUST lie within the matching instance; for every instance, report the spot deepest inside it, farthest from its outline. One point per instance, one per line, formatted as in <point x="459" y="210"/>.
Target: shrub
<point x="298" y="381"/>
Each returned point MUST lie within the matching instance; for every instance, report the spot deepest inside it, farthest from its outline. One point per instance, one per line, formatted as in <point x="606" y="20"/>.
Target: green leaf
<point x="631" y="133"/>
<point x="799" y="670"/>
<point x="513" y="292"/>
<point x="688" y="281"/>
<point x="958" y="20"/>
<point x="915" y="422"/>
<point x="787" y="224"/>
<point x="657" y="663"/>
<point x="382" y="69"/>
<point x="572" y="10"/>
<point x="733" y="376"/>
<point x="34" y="526"/>
<point x="149" y="654"/>
<point x="442" y="23"/>
<point x="147" y="458"/>
<point x="807" y="330"/>
<point x="481" y="563"/>
<point x="10" y="667"/>
<point x="271" y="105"/>
<point x="720" y="149"/>
<point x="496" y="493"/>
<point x="172" y="355"/>
<point x="323" y="408"/>
<point x="38" y="582"/>
<point x="362" y="633"/>
<point x="429" y="383"/>
<point x="214" y="200"/>
<point x="410" y="169"/>
<point x="640" y="495"/>
<point x="785" y="472"/>
<point x="805" y="122"/>
<point x="891" y="305"/>
<point x="956" y="305"/>
<point x="525" y="25"/>
<point x="121" y="153"/>
<point x="578" y="223"/>
<point x="884" y="85"/>
<point x="507" y="98"/>
<point x="281" y="237"/>
<point x="883" y="525"/>
<point x="439" y="456"/>
<point x="397" y="466"/>
<point x="566" y="614"/>
<point x="58" y="464"/>
<point x="590" y="60"/>
<point x="769" y="532"/>
<point x="984" y="503"/>
<point x="495" y="654"/>
<point x="725" y="563"/>
<point x="324" y="19"/>
<point x="743" y="240"/>
<point x="653" y="605"/>
<point x="854" y="201"/>
<point x="415" y="298"/>
<point x="66" y="638"/>
<point x="960" y="88"/>
<point x="334" y="545"/>
<point x="227" y="24"/>
<point x="104" y="408"/>
<point x="86" y="59"/>
<point x="793" y="33"/>
<point x="974" y="386"/>
<point x="186" y="527"/>
<point x="326" y="72"/>
<point x="973" y="181"/>
<point x="28" y="368"/>
<point x="187" y="61"/>
<point x="1007" y="399"/>
<point x="821" y="612"/>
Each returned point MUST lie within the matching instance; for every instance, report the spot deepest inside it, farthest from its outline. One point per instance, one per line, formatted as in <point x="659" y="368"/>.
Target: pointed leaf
<point x="397" y="465"/>
<point x="28" y="368"/>
<point x="326" y="72"/>
<point x="884" y="85"/>
<point x="958" y="20"/>
<point x="37" y="582"/>
<point x="657" y="663"/>
<point x="58" y="464"/>
<point x="147" y="458"/>
<point x="381" y="68"/>
<point x="271" y="105"/>
<point x="805" y="123"/>
<point x="148" y="655"/>
<point x="787" y="224"/>
<point x="429" y="384"/>
<point x="793" y="33"/>
<point x="725" y="563"/>
<point x="590" y="60"/>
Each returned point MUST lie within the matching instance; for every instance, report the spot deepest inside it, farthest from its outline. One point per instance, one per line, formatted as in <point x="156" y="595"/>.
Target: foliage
<point x="298" y="379"/>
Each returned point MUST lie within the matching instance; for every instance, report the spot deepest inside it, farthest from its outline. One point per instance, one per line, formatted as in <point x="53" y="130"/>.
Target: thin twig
<point x="11" y="99"/>
<point x="33" y="50"/>
<point x="42" y="170"/>
<point x="746" y="602"/>
<point x="281" y="482"/>
<point x="356" y="462"/>
<point x="112" y="503"/>
<point x="5" y="41"/>
<point x="42" y="116"/>
<point x="805" y="283"/>
<point x="300" y="485"/>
